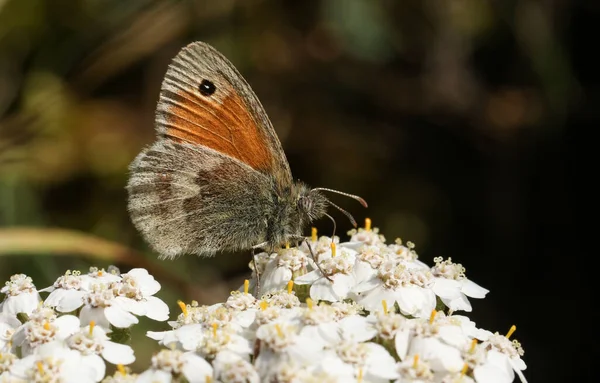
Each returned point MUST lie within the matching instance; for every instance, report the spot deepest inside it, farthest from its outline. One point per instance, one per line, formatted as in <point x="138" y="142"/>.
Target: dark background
<point x="462" y="122"/>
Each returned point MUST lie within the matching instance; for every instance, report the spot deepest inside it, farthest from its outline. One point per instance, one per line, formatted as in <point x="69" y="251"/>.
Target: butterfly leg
<point x="256" y="271"/>
<point x="312" y="255"/>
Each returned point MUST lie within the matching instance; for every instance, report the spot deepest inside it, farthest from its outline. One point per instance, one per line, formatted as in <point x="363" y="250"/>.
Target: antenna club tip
<point x="363" y="202"/>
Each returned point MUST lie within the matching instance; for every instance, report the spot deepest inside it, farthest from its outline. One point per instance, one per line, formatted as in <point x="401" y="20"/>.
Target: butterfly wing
<point x="191" y="199"/>
<point x="205" y="101"/>
<point x="208" y="183"/>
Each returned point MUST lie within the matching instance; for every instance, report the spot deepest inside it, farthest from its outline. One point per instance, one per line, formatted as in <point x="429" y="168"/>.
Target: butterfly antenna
<point x="350" y="217"/>
<point x="359" y="199"/>
<point x="334" y="225"/>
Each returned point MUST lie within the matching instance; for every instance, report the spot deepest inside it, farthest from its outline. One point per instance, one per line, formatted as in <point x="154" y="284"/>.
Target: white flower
<point x="291" y="372"/>
<point x="353" y="328"/>
<point x="281" y="341"/>
<point x="451" y="285"/>
<point x="8" y="325"/>
<point x="346" y="350"/>
<point x="319" y="246"/>
<point x="53" y="363"/>
<point x="405" y="253"/>
<point x="285" y="299"/>
<point x="97" y="275"/>
<point x="135" y="294"/>
<point x="121" y="375"/>
<point x="494" y="369"/>
<point x="346" y="309"/>
<point x="192" y="313"/>
<point x="67" y="293"/>
<point x="503" y="358"/>
<point x="414" y="370"/>
<point x="7" y="359"/>
<point x="168" y="364"/>
<point x="397" y="283"/>
<point x="231" y="368"/>
<point x="92" y="343"/>
<point x="186" y="337"/>
<point x="188" y="330"/>
<point x="102" y="307"/>
<point x="215" y="340"/>
<point x="115" y="299"/>
<point x="270" y="314"/>
<point x="366" y="235"/>
<point x="368" y="260"/>
<point x="281" y="268"/>
<point x="437" y="341"/>
<point x="318" y="315"/>
<point x="338" y="280"/>
<point x="43" y="327"/>
<point x="458" y="377"/>
<point x="21" y="295"/>
<point x="392" y="327"/>
<point x="240" y="301"/>
<point x="369" y="361"/>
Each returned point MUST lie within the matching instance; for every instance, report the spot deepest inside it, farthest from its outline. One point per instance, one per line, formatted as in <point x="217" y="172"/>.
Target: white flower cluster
<point x="361" y="311"/>
<point x="66" y="337"/>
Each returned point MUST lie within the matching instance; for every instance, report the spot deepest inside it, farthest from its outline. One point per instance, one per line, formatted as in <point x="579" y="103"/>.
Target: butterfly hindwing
<point x="186" y="198"/>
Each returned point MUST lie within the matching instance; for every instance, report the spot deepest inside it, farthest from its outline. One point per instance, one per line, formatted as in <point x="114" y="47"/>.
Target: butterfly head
<point x="312" y="204"/>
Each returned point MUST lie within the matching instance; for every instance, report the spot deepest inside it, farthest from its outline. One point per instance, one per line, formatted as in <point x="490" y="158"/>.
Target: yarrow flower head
<point x="325" y="311"/>
<point x="46" y="341"/>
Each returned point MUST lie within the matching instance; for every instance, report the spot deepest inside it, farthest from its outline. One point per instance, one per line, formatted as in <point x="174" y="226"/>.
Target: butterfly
<point x="216" y="178"/>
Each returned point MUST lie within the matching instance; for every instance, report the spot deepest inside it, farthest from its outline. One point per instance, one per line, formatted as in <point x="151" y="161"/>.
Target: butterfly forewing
<point x="231" y="120"/>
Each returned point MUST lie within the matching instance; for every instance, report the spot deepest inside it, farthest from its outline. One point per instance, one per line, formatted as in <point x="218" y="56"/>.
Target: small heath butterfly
<point x="216" y="179"/>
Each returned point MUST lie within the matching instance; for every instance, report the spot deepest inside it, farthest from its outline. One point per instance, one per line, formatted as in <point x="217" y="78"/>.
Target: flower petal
<point x="96" y="314"/>
<point x="342" y="284"/>
<point x="473" y="290"/>
<point x="380" y="363"/>
<point x="119" y="317"/>
<point x="116" y="353"/>
<point x="96" y="364"/>
<point x="154" y="376"/>
<point x="460" y="303"/>
<point x="71" y="300"/>
<point x="308" y="278"/>
<point x="190" y="336"/>
<point x="196" y="369"/>
<point x="277" y="279"/>
<point x="147" y="284"/>
<point x="356" y="328"/>
<point x="322" y="290"/>
<point x="156" y="309"/>
<point x="401" y="341"/>
<point x="446" y="288"/>
<point x="67" y="325"/>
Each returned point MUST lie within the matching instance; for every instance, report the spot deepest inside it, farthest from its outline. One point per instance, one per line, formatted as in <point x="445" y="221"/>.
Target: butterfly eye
<point x="207" y="88"/>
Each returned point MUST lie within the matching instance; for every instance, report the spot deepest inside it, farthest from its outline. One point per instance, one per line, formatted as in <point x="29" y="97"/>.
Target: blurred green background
<point x="458" y="121"/>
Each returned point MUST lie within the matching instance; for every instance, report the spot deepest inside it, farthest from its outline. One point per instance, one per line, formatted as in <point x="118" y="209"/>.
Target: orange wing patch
<point x="226" y="127"/>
